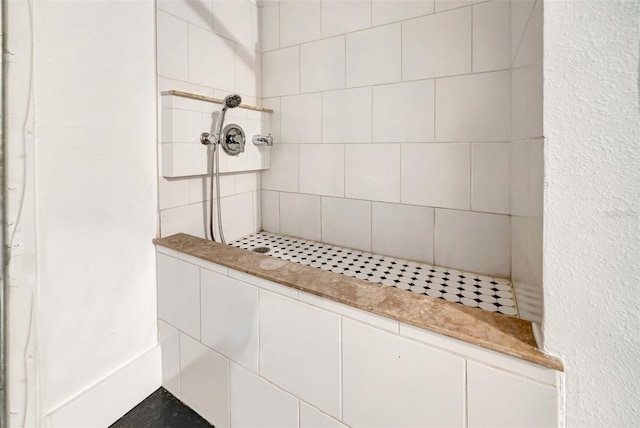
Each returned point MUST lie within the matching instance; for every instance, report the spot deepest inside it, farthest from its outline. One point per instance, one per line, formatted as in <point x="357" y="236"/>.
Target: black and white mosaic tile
<point x="470" y="289"/>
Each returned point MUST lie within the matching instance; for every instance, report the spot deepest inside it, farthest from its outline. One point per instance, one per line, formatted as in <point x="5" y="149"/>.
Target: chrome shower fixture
<point x="262" y="140"/>
<point x="232" y="141"/>
<point x="230" y="101"/>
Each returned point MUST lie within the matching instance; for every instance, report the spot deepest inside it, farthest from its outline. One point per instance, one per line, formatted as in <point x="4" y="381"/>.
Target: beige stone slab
<point x="213" y="100"/>
<point x="507" y="335"/>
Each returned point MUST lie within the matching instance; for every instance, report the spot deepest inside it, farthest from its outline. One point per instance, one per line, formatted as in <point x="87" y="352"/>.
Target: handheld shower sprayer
<point x="230" y="101"/>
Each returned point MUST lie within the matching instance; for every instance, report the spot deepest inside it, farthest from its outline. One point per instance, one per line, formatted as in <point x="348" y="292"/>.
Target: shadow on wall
<point x="244" y="55"/>
<point x="221" y="28"/>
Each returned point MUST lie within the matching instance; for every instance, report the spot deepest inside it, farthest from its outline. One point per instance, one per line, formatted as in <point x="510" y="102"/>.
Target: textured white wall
<point x="90" y="172"/>
<point x="592" y="206"/>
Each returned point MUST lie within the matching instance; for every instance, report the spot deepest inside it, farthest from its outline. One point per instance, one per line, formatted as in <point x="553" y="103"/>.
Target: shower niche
<point x="186" y="116"/>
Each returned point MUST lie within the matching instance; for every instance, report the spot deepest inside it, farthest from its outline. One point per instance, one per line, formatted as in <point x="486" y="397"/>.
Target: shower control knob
<point x="233" y="139"/>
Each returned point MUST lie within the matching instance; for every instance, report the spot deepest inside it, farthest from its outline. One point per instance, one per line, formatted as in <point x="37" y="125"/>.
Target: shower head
<point x="232" y="101"/>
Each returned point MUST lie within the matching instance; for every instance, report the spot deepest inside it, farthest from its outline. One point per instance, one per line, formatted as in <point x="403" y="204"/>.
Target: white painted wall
<point x="592" y="206"/>
<point x="91" y="176"/>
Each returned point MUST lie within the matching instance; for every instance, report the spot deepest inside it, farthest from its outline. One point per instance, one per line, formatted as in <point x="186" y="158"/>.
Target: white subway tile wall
<point x="445" y="95"/>
<point x="372" y="171"/>
<point x="520" y="15"/>
<point x="366" y="398"/>
<point x="204" y="380"/>
<point x="404" y="231"/>
<point x="207" y="69"/>
<point x="475" y="107"/>
<point x="270" y="27"/>
<point x="490" y="177"/>
<point x="300" y="215"/>
<point x="437" y="45"/>
<point x="172" y="42"/>
<point x="473" y="241"/>
<point x="486" y="385"/>
<point x="300" y="119"/>
<point x="373" y="56"/>
<point x="178" y="294"/>
<point x="283" y="174"/>
<point x="322" y="65"/>
<point x="306" y="340"/>
<point x="491" y="31"/>
<point x="316" y="359"/>
<point x="310" y="417"/>
<point x="229" y="305"/>
<point x="386" y="11"/>
<point x="209" y="48"/>
<point x="346" y="116"/>
<point x="427" y="87"/>
<point x="233" y="20"/>
<point x="169" y="340"/>
<point x="404" y="112"/>
<point x="340" y="17"/>
<point x="257" y="403"/>
<point x="352" y="230"/>
<point x="322" y="169"/>
<point x="299" y="22"/>
<point x="527" y="156"/>
<point x="201" y="16"/>
<point x="436" y="175"/>
<point x="281" y="72"/>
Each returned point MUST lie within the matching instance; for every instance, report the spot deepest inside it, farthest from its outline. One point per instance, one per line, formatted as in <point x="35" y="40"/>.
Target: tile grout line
<point x="372" y="27"/>
<point x="465" y="392"/>
<point x="471" y="171"/>
<point x="341" y="367"/>
<point x="512" y="60"/>
<point x="472" y="13"/>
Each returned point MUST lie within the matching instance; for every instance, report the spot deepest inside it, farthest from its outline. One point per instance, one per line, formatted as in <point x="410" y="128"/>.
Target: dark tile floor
<point x="161" y="410"/>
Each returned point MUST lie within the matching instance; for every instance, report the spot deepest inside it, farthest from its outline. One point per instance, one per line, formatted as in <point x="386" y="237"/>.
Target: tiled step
<point x="470" y="289"/>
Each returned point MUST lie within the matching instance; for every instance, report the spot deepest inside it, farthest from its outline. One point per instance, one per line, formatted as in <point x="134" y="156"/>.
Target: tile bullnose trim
<point x="506" y="335"/>
<point x="213" y="100"/>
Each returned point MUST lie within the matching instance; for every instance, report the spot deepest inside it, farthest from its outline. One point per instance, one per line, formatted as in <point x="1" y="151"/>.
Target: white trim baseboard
<point x="108" y="400"/>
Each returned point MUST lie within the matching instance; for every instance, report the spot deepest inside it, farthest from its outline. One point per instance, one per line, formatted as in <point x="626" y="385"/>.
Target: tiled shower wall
<point x="527" y="157"/>
<point x="246" y="352"/>
<point x="393" y="128"/>
<point x="209" y="48"/>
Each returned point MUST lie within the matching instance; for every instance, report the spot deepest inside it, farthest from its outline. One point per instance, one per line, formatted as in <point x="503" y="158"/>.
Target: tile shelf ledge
<point x="507" y="335"/>
<point x="213" y="100"/>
